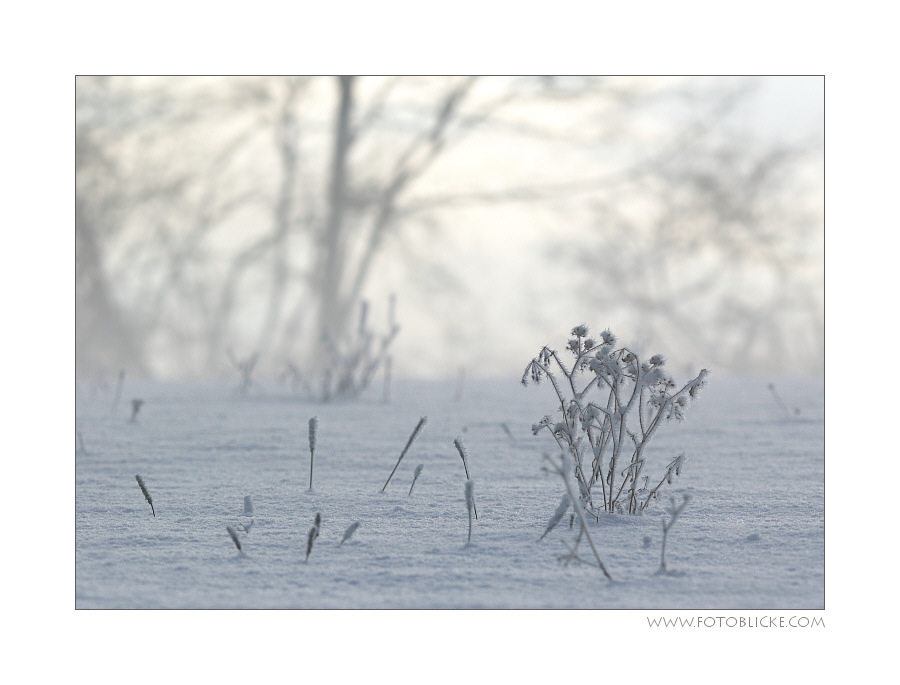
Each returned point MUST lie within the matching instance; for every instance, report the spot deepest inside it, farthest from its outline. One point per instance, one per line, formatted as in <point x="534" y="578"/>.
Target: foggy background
<point x="221" y="217"/>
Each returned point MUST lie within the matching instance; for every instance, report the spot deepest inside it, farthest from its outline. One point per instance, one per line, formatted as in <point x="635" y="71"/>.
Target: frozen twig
<point x="560" y="469"/>
<point x="674" y="512"/>
<point x="412" y="437"/>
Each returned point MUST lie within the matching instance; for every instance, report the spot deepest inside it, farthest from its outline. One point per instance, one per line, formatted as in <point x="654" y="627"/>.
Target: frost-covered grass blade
<point x="561" y="510"/>
<point x="351" y="529"/>
<point x="312" y="535"/>
<point x="412" y="437"/>
<point x="234" y="538"/>
<point x="461" y="448"/>
<point x="416" y="474"/>
<point x="313" y="428"/>
<point x="470" y="504"/>
<point x="140" y="481"/>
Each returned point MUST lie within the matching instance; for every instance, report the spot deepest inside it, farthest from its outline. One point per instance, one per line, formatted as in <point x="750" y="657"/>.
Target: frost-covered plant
<point x="560" y="468"/>
<point x="612" y="404"/>
<point x="245" y="368"/>
<point x="674" y="512"/>
<point x="352" y="361"/>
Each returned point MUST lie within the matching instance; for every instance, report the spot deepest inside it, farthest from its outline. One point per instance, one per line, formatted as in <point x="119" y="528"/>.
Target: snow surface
<point x="752" y="536"/>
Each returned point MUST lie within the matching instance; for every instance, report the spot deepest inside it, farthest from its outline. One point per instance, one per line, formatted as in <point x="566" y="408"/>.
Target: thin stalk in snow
<point x="461" y="448"/>
<point x="559" y="469"/>
<point x="409" y="442"/>
<point x="313" y="427"/>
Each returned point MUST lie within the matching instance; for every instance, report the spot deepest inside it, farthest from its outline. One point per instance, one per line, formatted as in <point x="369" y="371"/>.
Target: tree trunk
<point x="333" y="243"/>
<point x="283" y="220"/>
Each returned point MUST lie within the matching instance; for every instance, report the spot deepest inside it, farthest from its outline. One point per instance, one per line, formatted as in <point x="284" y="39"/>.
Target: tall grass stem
<point x="140" y="481"/>
<point x="409" y="442"/>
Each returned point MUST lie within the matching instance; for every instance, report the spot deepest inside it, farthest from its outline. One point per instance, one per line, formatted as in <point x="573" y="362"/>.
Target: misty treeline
<point x="246" y="217"/>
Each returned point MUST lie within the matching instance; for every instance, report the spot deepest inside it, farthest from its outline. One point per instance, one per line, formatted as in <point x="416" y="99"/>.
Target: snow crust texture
<point x="752" y="536"/>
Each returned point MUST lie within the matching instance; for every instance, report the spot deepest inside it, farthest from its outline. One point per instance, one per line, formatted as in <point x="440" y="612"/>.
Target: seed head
<point x="580" y="331"/>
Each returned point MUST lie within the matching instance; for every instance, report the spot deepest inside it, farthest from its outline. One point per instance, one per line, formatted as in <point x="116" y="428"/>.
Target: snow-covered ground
<point x="752" y="536"/>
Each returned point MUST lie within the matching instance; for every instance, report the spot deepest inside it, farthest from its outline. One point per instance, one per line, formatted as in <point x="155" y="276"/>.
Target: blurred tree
<point x="200" y="198"/>
<point x="108" y="195"/>
<point x="150" y="193"/>
<point x="247" y="215"/>
<point x="340" y="218"/>
<point x="716" y="256"/>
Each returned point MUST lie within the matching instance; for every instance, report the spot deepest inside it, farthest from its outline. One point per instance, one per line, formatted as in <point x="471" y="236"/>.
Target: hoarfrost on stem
<point x="611" y="406"/>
